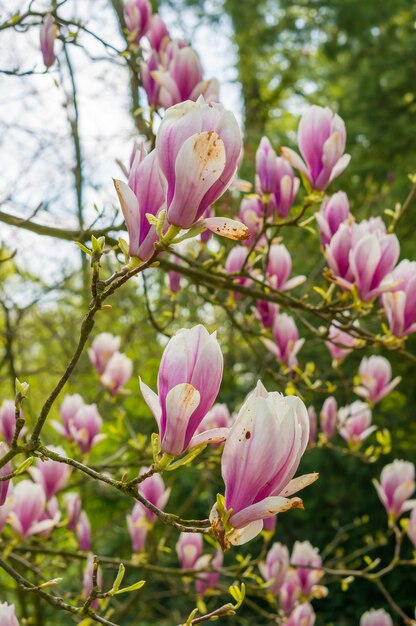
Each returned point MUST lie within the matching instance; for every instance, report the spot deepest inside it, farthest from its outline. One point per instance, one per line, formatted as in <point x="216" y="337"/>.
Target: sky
<point x="36" y="151"/>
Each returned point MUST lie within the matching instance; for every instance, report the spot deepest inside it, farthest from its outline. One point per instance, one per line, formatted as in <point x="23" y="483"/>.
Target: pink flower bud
<point x="151" y="87"/>
<point x="28" y="509"/>
<point x="174" y="281"/>
<point x="8" y="421"/>
<point x="198" y="146"/>
<point x="6" y="507"/>
<point x="411" y="527"/>
<point x="117" y="372"/>
<point x="67" y="412"/>
<point x="266" y="312"/>
<point x="138" y="526"/>
<point x="252" y="212"/>
<point x="88" y="581"/>
<point x="302" y="615"/>
<point x="335" y="210"/>
<point x="274" y="569"/>
<point x="375" y="379"/>
<point x="328" y="417"/>
<point x="286" y="343"/>
<point x="85" y="427"/>
<point x="52" y="475"/>
<point x="273" y="427"/>
<point x="269" y="523"/>
<point x="143" y="195"/>
<point x="4" y="471"/>
<point x="8" y="615"/>
<point x="397" y="484"/>
<point x="158" y="33"/>
<point x="279" y="268"/>
<point x="208" y="580"/>
<point x="189" y="379"/>
<point x="83" y="532"/>
<point x="339" y="343"/>
<point x="266" y="170"/>
<point x="337" y="254"/>
<point x="189" y="548"/>
<point x="321" y="139"/>
<point x="400" y="302"/>
<point x="236" y="260"/>
<point x="312" y="424"/>
<point x="73" y="509"/>
<point x="304" y="554"/>
<point x="376" y="618"/>
<point x="354" y="422"/>
<point x="48" y="33"/>
<point x="137" y="15"/>
<point x="102" y="349"/>
<point x="153" y="489"/>
<point x="275" y="177"/>
<point x="290" y="592"/>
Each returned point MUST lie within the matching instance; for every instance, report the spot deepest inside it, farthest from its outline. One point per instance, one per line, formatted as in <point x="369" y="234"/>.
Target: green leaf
<point x="134" y="587"/>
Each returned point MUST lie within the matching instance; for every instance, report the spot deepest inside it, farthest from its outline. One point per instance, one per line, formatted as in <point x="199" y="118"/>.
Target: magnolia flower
<point x="137" y="15"/>
<point x="189" y="379"/>
<point x="73" y="509"/>
<point x="157" y="33"/>
<point x="8" y="421"/>
<point x="149" y="84"/>
<point x="274" y="569"/>
<point x="88" y="580"/>
<point x="279" y="268"/>
<point x="52" y="475"/>
<point x="411" y="527"/>
<point x="304" y="554"/>
<point x="397" y="484"/>
<point x="153" y="489"/>
<point x="286" y="343"/>
<point x="208" y="580"/>
<point x="302" y="615"/>
<point x="269" y="523"/>
<point x="312" y="424"/>
<point x="189" y="548"/>
<point x="400" y="302"/>
<point x="28" y="508"/>
<point x="265" y="312"/>
<point x="117" y="372"/>
<point x="290" y="592"/>
<point x="354" y="422"/>
<point x="218" y="417"/>
<point x="85" y="427"/>
<point x="340" y="343"/>
<point x="337" y="254"/>
<point x="321" y="139"/>
<point x="48" y="33"/>
<point x="8" y="615"/>
<point x="83" y="532"/>
<point x="102" y="349"/>
<point x="252" y="213"/>
<point x="237" y="259"/>
<point x="375" y="379"/>
<point x="376" y="618"/>
<point x="4" y="471"/>
<point x="138" y="527"/>
<point x="6" y="507"/>
<point x="334" y="211"/>
<point x="328" y="417"/>
<point x="273" y="427"/>
<point x="197" y="146"/>
<point x="275" y="177"/>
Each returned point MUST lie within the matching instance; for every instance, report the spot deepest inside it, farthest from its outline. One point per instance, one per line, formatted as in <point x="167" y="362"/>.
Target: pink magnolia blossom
<point x="321" y="139"/>
<point x="275" y="177"/>
<point x="137" y="15"/>
<point x="149" y="84"/>
<point x="102" y="349"/>
<point x="376" y="618"/>
<point x="8" y="421"/>
<point x="157" y="33"/>
<point x="411" y="527"/>
<point x="6" y="507"/>
<point x="304" y="554"/>
<point x="189" y="379"/>
<point x="28" y="509"/>
<point x="397" y="484"/>
<point x="67" y="412"/>
<point x="290" y="592"/>
<point x="328" y="417"/>
<point x="400" y="302"/>
<point x="279" y="268"/>
<point x="73" y="509"/>
<point x="52" y="475"/>
<point x="142" y="195"/>
<point x="274" y="569"/>
<point x="269" y="523"/>
<point x="236" y="260"/>
<point x="174" y="281"/>
<point x="340" y="343"/>
<point x="85" y="427"/>
<point x="252" y="214"/>
<point x="198" y="146"/>
<point x="181" y="79"/>
<point x="302" y="615"/>
<point x="88" y="581"/>
<point x="189" y="548"/>
<point x="286" y="342"/>
<point x="312" y="424"/>
<point x="138" y="527"/>
<point x="217" y="417"/>
<point x="337" y="254"/>
<point x="83" y="532"/>
<point x="4" y="471"/>
<point x="208" y="580"/>
<point x="154" y="490"/>
<point x="334" y="211"/>
<point x="354" y="422"/>
<point x="375" y="379"/>
<point x="8" y="615"/>
<point x="265" y="312"/>
<point x="117" y="372"/>
<point x="48" y="33"/>
<point x="273" y="427"/>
